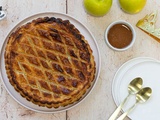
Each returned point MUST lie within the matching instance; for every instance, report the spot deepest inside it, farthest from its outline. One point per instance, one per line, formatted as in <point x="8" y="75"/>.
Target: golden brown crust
<point x="49" y="62"/>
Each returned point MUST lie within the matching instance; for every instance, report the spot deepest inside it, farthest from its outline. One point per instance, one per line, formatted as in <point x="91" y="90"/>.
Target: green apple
<point x="97" y="7"/>
<point x="132" y="6"/>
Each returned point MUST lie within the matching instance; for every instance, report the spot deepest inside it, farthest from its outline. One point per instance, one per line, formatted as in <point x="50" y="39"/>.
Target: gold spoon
<point x="134" y="86"/>
<point x="142" y="96"/>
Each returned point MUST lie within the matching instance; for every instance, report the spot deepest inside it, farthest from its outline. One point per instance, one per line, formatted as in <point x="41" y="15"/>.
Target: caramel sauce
<point x="120" y="36"/>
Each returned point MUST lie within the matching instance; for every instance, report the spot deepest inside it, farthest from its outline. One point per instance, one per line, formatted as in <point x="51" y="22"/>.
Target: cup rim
<point x="133" y="32"/>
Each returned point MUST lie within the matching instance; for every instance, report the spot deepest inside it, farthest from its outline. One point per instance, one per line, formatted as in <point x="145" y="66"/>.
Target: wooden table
<point x="99" y="104"/>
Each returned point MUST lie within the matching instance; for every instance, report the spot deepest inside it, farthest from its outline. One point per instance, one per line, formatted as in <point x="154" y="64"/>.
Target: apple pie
<point x="49" y="62"/>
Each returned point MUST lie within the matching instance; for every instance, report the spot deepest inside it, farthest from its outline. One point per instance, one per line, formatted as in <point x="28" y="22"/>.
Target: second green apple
<point x="97" y="7"/>
<point x="132" y="6"/>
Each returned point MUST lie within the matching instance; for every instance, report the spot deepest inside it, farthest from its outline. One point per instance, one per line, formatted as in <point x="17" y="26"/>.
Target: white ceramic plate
<point x="149" y="71"/>
<point x="121" y="71"/>
<point x="84" y="31"/>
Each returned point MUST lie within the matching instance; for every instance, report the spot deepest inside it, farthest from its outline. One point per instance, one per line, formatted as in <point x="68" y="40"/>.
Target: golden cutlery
<point x="142" y="96"/>
<point x="134" y="86"/>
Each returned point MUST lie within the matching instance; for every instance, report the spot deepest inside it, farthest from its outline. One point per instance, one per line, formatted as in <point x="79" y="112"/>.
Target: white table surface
<point x="99" y="104"/>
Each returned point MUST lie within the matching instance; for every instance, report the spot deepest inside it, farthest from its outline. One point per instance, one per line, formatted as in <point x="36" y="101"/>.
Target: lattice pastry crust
<point x="49" y="62"/>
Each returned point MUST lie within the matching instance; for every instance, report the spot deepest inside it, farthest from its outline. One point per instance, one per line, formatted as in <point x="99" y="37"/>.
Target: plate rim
<point x="98" y="69"/>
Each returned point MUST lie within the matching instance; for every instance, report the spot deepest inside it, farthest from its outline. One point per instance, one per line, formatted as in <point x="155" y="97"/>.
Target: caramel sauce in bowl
<point x="120" y="35"/>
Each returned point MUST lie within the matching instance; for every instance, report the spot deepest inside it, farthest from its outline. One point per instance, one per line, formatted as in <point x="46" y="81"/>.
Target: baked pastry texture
<point x="49" y="62"/>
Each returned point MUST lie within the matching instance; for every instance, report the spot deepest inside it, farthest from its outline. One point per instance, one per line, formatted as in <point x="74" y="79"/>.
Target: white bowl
<point x="133" y="33"/>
